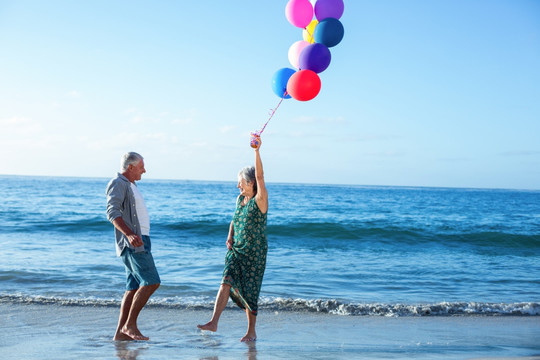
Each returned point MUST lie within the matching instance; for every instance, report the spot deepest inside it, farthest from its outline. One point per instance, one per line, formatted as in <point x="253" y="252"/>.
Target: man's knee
<point x="129" y="294"/>
<point x="152" y="287"/>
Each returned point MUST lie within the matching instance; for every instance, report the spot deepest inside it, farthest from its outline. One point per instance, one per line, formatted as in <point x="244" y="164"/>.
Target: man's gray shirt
<point x="121" y="203"/>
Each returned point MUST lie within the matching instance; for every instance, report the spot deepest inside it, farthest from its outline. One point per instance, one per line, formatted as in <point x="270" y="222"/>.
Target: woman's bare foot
<point x="210" y="326"/>
<point x="134" y="333"/>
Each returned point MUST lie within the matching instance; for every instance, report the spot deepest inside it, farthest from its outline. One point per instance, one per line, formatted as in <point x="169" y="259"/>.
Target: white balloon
<point x="294" y="52"/>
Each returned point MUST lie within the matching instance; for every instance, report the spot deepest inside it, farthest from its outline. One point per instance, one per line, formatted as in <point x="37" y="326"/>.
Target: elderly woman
<point x="245" y="261"/>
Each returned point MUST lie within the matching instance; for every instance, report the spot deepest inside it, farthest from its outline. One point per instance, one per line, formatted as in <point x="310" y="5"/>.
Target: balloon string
<point x="258" y="133"/>
<point x="310" y="34"/>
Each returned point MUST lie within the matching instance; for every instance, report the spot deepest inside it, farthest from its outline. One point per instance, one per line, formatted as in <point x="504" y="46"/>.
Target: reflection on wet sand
<point x="125" y="352"/>
<point x="251" y="353"/>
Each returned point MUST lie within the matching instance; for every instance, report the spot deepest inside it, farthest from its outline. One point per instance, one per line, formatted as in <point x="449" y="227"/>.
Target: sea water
<point x="348" y="250"/>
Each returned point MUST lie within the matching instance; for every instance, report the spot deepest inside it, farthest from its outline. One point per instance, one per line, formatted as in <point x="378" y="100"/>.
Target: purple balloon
<point x="315" y="57"/>
<point x="329" y="9"/>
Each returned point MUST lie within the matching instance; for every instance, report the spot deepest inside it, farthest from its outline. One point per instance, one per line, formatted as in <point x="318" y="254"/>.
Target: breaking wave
<point x="326" y="306"/>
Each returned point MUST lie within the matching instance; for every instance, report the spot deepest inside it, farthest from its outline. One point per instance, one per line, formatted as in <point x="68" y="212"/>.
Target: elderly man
<point x="127" y="211"/>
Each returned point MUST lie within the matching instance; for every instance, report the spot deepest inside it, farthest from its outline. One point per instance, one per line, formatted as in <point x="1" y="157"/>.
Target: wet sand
<point x="68" y="332"/>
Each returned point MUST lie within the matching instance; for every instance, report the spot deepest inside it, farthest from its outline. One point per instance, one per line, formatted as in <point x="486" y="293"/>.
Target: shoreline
<point x="66" y="332"/>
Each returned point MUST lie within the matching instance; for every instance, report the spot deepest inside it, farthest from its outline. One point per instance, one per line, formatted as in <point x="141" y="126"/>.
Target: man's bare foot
<point x="210" y="326"/>
<point x="135" y="334"/>
<point x="249" y="337"/>
<point x="122" y="337"/>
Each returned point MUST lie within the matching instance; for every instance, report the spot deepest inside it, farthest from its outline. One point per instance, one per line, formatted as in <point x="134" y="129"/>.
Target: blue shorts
<point x="140" y="267"/>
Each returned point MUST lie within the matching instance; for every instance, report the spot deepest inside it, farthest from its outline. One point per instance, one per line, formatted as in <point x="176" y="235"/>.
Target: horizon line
<point x="283" y="182"/>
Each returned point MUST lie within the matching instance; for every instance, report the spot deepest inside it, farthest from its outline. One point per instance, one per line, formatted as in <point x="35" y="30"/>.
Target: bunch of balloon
<point x="309" y="56"/>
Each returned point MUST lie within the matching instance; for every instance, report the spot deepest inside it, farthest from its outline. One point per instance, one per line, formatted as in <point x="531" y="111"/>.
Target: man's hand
<point x="135" y="240"/>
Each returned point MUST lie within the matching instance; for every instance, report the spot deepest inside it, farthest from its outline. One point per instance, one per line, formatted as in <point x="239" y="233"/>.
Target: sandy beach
<point x="68" y="332"/>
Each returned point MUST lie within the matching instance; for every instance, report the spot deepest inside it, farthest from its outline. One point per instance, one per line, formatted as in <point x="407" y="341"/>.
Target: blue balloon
<point x="329" y="32"/>
<point x="315" y="57"/>
<point x="279" y="82"/>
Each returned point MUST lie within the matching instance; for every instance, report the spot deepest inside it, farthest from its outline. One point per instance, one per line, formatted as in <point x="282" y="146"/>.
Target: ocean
<point x="336" y="249"/>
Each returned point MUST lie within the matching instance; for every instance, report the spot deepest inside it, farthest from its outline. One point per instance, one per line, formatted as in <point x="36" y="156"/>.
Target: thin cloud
<point x="127" y="139"/>
<point x="304" y="120"/>
<point x="227" y="129"/>
<point x="200" y="144"/>
<point x="14" y="121"/>
<point x="144" y="120"/>
<point x="181" y="121"/>
<point x="314" y="119"/>
<point x="385" y="154"/>
<point x="74" y="94"/>
<point x="454" y="159"/>
<point x="370" y="137"/>
<point x="520" y="153"/>
<point x="130" y="111"/>
<point x="18" y="125"/>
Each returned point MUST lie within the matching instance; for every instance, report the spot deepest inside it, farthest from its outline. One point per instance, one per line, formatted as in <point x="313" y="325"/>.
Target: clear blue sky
<point x="418" y="93"/>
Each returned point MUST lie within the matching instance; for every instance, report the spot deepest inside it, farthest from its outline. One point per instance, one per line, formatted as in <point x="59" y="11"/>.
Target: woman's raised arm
<point x="262" y="195"/>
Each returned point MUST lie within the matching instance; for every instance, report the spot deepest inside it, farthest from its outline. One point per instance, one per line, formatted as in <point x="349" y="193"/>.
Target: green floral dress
<point x="246" y="261"/>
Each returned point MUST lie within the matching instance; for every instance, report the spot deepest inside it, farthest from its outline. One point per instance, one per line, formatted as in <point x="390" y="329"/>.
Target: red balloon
<point x="304" y="85"/>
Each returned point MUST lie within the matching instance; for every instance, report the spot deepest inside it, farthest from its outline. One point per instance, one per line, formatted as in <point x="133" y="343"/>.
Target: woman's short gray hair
<point x="248" y="174"/>
<point x="130" y="158"/>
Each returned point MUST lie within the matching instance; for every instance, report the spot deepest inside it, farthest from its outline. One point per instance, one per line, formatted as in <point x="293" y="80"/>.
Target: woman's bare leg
<point x="221" y="302"/>
<point x="250" y="334"/>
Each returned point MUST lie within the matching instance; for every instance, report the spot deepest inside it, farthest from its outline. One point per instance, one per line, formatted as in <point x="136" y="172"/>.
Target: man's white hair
<point x="130" y="158"/>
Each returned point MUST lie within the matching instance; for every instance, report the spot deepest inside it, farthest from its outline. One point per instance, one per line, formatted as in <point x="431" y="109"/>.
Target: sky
<point x="418" y="93"/>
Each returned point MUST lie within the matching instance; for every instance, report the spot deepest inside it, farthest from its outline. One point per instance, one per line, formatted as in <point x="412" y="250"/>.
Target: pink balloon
<point x="299" y="12"/>
<point x="294" y="52"/>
